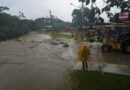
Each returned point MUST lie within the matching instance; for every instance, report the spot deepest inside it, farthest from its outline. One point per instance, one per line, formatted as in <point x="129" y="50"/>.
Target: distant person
<point x="99" y="34"/>
<point x="54" y="34"/>
<point x="83" y="55"/>
<point x="72" y="34"/>
<point x="76" y="36"/>
<point x="87" y="35"/>
<point x="82" y="35"/>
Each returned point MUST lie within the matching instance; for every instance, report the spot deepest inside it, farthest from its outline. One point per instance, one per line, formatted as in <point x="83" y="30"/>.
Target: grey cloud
<point x="40" y="8"/>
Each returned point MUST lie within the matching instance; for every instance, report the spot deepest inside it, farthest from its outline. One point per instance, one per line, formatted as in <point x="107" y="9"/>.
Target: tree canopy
<point x="57" y="23"/>
<point x="92" y="16"/>
<point x="13" y="26"/>
<point x="122" y="5"/>
<point x="87" y="1"/>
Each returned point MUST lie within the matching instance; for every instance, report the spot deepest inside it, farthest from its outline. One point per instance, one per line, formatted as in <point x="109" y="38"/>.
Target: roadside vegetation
<point x="61" y="36"/>
<point x="12" y="27"/>
<point x="94" y="80"/>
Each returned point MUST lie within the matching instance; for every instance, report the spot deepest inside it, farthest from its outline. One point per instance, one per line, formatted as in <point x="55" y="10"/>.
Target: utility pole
<point x="82" y="17"/>
<point x="51" y="19"/>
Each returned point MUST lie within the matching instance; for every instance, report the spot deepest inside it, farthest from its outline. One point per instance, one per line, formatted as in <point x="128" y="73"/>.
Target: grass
<point x="93" y="80"/>
<point x="62" y="36"/>
<point x="65" y="36"/>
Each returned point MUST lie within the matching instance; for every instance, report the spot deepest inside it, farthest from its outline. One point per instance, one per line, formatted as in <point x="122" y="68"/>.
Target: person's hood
<point x="83" y="45"/>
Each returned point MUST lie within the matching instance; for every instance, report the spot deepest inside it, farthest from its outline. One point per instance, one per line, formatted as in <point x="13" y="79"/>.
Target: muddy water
<point x="39" y="62"/>
<point x="32" y="64"/>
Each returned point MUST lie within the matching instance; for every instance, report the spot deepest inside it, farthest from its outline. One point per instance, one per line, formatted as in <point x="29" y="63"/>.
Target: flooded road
<point x="32" y="64"/>
<point x="40" y="63"/>
<point x="113" y="62"/>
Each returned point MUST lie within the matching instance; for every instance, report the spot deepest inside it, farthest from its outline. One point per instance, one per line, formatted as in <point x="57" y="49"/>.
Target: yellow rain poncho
<point x="83" y="53"/>
<point x="54" y="33"/>
<point x="76" y="35"/>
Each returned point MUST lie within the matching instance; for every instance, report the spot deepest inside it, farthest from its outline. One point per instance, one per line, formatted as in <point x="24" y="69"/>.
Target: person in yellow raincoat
<point x="76" y="36"/>
<point x="83" y="55"/>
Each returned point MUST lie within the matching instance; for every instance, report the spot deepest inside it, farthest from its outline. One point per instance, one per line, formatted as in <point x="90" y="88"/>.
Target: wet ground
<point x="39" y="62"/>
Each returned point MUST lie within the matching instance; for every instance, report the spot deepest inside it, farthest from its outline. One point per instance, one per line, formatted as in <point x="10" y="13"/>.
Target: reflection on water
<point x="38" y="64"/>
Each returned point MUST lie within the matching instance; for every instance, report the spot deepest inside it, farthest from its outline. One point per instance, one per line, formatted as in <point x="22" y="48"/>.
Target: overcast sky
<point x="33" y="9"/>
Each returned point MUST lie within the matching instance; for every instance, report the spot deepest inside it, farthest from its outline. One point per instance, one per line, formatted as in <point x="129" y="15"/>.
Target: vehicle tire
<point x="126" y="47"/>
<point x="106" y="48"/>
<point x="91" y="40"/>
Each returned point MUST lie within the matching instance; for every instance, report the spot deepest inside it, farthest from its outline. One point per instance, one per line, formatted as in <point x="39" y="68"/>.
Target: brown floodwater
<point x="40" y="62"/>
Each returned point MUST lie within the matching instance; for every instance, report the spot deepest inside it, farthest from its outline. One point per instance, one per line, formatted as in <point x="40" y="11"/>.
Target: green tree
<point x="58" y="24"/>
<point x="91" y="17"/>
<point x="3" y="8"/>
<point x="13" y="26"/>
<point x="76" y="14"/>
<point x="21" y="15"/>
<point x="122" y="5"/>
<point x="87" y="1"/>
